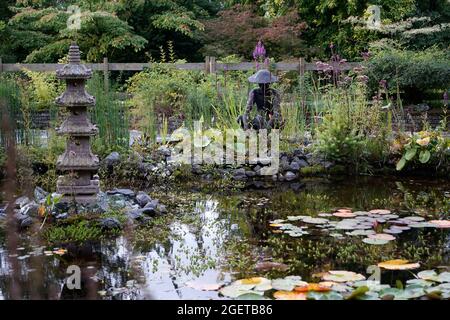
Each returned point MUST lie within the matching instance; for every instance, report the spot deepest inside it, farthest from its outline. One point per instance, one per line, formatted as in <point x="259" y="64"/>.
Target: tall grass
<point x="231" y="105"/>
<point x="111" y="117"/>
<point x="9" y="102"/>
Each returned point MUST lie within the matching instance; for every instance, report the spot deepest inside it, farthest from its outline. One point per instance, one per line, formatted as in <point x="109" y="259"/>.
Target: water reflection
<point x="197" y="255"/>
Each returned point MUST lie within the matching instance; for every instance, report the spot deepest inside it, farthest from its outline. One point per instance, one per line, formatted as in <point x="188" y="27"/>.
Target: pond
<point x="216" y="238"/>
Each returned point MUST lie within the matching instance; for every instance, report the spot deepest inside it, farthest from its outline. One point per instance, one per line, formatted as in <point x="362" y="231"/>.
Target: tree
<point x="121" y="29"/>
<point x="238" y="28"/>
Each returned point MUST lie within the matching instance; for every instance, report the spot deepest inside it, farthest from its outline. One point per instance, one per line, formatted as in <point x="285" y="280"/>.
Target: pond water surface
<point x="214" y="238"/>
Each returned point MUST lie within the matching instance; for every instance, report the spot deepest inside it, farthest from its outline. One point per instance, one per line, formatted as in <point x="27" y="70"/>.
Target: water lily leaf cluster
<point x="344" y="285"/>
<point x="377" y="226"/>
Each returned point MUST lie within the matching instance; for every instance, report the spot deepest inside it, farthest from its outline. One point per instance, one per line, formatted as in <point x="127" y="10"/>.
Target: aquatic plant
<point x="76" y="232"/>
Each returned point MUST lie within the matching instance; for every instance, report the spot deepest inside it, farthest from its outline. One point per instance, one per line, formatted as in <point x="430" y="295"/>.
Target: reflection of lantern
<point x="80" y="182"/>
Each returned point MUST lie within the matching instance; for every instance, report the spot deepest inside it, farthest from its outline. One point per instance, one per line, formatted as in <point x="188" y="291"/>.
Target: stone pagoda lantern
<point x="80" y="183"/>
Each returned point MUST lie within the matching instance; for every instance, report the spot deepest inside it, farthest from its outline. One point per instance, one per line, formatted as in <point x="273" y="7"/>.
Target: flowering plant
<point x="259" y="55"/>
<point x="421" y="146"/>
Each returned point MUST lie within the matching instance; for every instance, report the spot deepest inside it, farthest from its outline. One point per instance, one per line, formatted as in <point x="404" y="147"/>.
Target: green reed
<point x="111" y="117"/>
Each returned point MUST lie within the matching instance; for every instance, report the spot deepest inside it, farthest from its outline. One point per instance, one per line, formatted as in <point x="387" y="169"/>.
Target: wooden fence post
<point x="301" y="73"/>
<point x="207" y="64"/>
<point x="105" y="74"/>
<point x="212" y="65"/>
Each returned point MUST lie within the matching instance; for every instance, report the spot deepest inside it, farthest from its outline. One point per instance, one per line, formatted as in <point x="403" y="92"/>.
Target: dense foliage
<point x="134" y="30"/>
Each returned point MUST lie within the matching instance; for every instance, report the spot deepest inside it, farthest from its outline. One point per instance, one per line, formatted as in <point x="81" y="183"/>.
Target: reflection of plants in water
<point x="432" y="202"/>
<point x="306" y="256"/>
<point x="304" y="203"/>
<point x="239" y="256"/>
<point x="156" y="230"/>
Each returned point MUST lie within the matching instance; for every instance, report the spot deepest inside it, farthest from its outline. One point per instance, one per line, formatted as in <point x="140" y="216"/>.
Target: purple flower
<point x="324" y="67"/>
<point x="331" y="45"/>
<point x="383" y="84"/>
<point x="259" y="52"/>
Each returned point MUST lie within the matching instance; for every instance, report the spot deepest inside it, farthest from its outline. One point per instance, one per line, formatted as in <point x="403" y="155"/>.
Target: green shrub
<point x="413" y="73"/>
<point x="352" y="131"/>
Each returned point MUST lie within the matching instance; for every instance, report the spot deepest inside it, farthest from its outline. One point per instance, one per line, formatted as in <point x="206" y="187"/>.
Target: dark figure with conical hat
<point x="267" y="101"/>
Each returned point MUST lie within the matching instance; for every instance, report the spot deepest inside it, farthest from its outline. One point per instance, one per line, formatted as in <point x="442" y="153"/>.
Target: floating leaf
<point x="414" y="218"/>
<point x="289" y="295"/>
<point x="392" y="231"/>
<point x="381" y="236"/>
<point x="251" y="296"/>
<point x="375" y="241"/>
<point x="234" y="291"/>
<point x="419" y="282"/>
<point x="342" y="276"/>
<point x="380" y="211"/>
<point x="312" y="287"/>
<point x="258" y="283"/>
<point x="444" y="277"/>
<point x="313" y="295"/>
<point x="398" y="264"/>
<point x="428" y="275"/>
<point x="390" y="293"/>
<point x="287" y="284"/>
<point x="411" y="293"/>
<point x="315" y="220"/>
<point x="360" y="232"/>
<point x="344" y="214"/>
<point x="372" y="285"/>
<point x="441" y="223"/>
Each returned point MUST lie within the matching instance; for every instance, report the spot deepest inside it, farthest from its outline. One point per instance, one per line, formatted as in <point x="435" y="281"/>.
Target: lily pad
<point x="415" y="218"/>
<point x="234" y="291"/>
<point x="374" y="286"/>
<point x="444" y="277"/>
<point x="428" y="275"/>
<point x="295" y="218"/>
<point x="419" y="282"/>
<point x="381" y="236"/>
<point x="360" y="232"/>
<point x="289" y="295"/>
<point x="312" y="287"/>
<point x="342" y="276"/>
<point x="315" y="220"/>
<point x="288" y="283"/>
<point x="422" y="225"/>
<point x="392" y="231"/>
<point x="398" y="264"/>
<point x="313" y="295"/>
<point x="444" y="224"/>
<point x="375" y="241"/>
<point x="251" y="296"/>
<point x="380" y="211"/>
<point x="344" y="214"/>
<point x="255" y="283"/>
